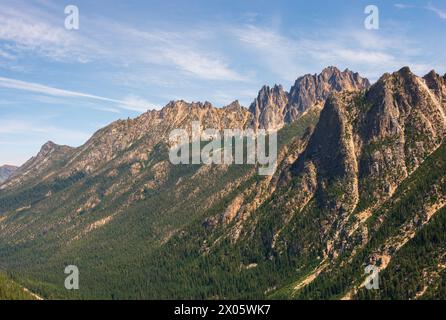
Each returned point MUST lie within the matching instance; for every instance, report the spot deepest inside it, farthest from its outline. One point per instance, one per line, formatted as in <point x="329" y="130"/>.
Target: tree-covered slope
<point x="9" y="290"/>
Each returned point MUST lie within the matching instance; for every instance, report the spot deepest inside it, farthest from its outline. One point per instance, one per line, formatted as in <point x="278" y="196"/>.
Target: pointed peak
<point x="49" y="145"/>
<point x="330" y="69"/>
<point x="207" y="105"/>
<point x="277" y="88"/>
<point x="432" y="77"/>
<point x="435" y="82"/>
<point x="47" y="148"/>
<point x="233" y="105"/>
<point x="265" y="88"/>
<point x="178" y="104"/>
<point x="405" y="71"/>
<point x="174" y="103"/>
<point x="432" y="73"/>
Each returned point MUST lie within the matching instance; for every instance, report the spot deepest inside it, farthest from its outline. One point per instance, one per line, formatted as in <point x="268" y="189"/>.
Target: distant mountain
<point x="6" y="171"/>
<point x="360" y="181"/>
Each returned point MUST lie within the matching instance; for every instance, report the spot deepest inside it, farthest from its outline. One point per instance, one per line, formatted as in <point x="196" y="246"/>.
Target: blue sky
<point x="130" y="56"/>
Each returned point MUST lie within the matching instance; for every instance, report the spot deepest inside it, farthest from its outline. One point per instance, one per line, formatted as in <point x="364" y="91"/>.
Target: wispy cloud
<point x="177" y="51"/>
<point x="136" y="104"/>
<point x="198" y="64"/>
<point x="277" y="51"/>
<point x="26" y="29"/>
<point x="38" y="32"/>
<point x="371" y="53"/>
<point x="403" y="6"/>
<point x="25" y="127"/>
<point x="6" y="55"/>
<point x="439" y="12"/>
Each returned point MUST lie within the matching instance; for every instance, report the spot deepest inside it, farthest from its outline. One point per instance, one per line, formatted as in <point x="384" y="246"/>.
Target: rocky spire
<point x="269" y="107"/>
<point x="274" y="107"/>
<point x="312" y="89"/>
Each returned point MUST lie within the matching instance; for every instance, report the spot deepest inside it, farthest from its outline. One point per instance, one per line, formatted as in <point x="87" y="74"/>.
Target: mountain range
<point x="360" y="182"/>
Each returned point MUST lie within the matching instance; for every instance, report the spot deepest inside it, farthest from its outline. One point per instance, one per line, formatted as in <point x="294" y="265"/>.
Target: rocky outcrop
<point x="378" y="137"/>
<point x="332" y="155"/>
<point x="403" y="121"/>
<point x="269" y="108"/>
<point x="313" y="89"/>
<point x="365" y="145"/>
<point x="274" y="107"/>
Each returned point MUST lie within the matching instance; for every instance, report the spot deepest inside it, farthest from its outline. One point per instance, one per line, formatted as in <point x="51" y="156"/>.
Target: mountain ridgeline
<point x="274" y="107"/>
<point x="360" y="181"/>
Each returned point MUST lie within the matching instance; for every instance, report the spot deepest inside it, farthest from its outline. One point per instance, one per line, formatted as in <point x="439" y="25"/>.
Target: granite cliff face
<point x="274" y="107"/>
<point x="269" y="108"/>
<point x="360" y="181"/>
<point x="314" y="89"/>
<point x="351" y="180"/>
<point x="404" y="122"/>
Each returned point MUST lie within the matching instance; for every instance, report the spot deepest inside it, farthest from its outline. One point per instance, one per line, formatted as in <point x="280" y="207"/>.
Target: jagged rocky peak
<point x="175" y="112"/>
<point x="402" y="101"/>
<point x="269" y="107"/>
<point x="47" y="148"/>
<point x="274" y="107"/>
<point x="234" y="105"/>
<point x="436" y="83"/>
<point x="403" y="121"/>
<point x="176" y="105"/>
<point x="310" y="90"/>
<point x="367" y="142"/>
<point x="181" y="113"/>
<point x="50" y="148"/>
<point x="402" y="89"/>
